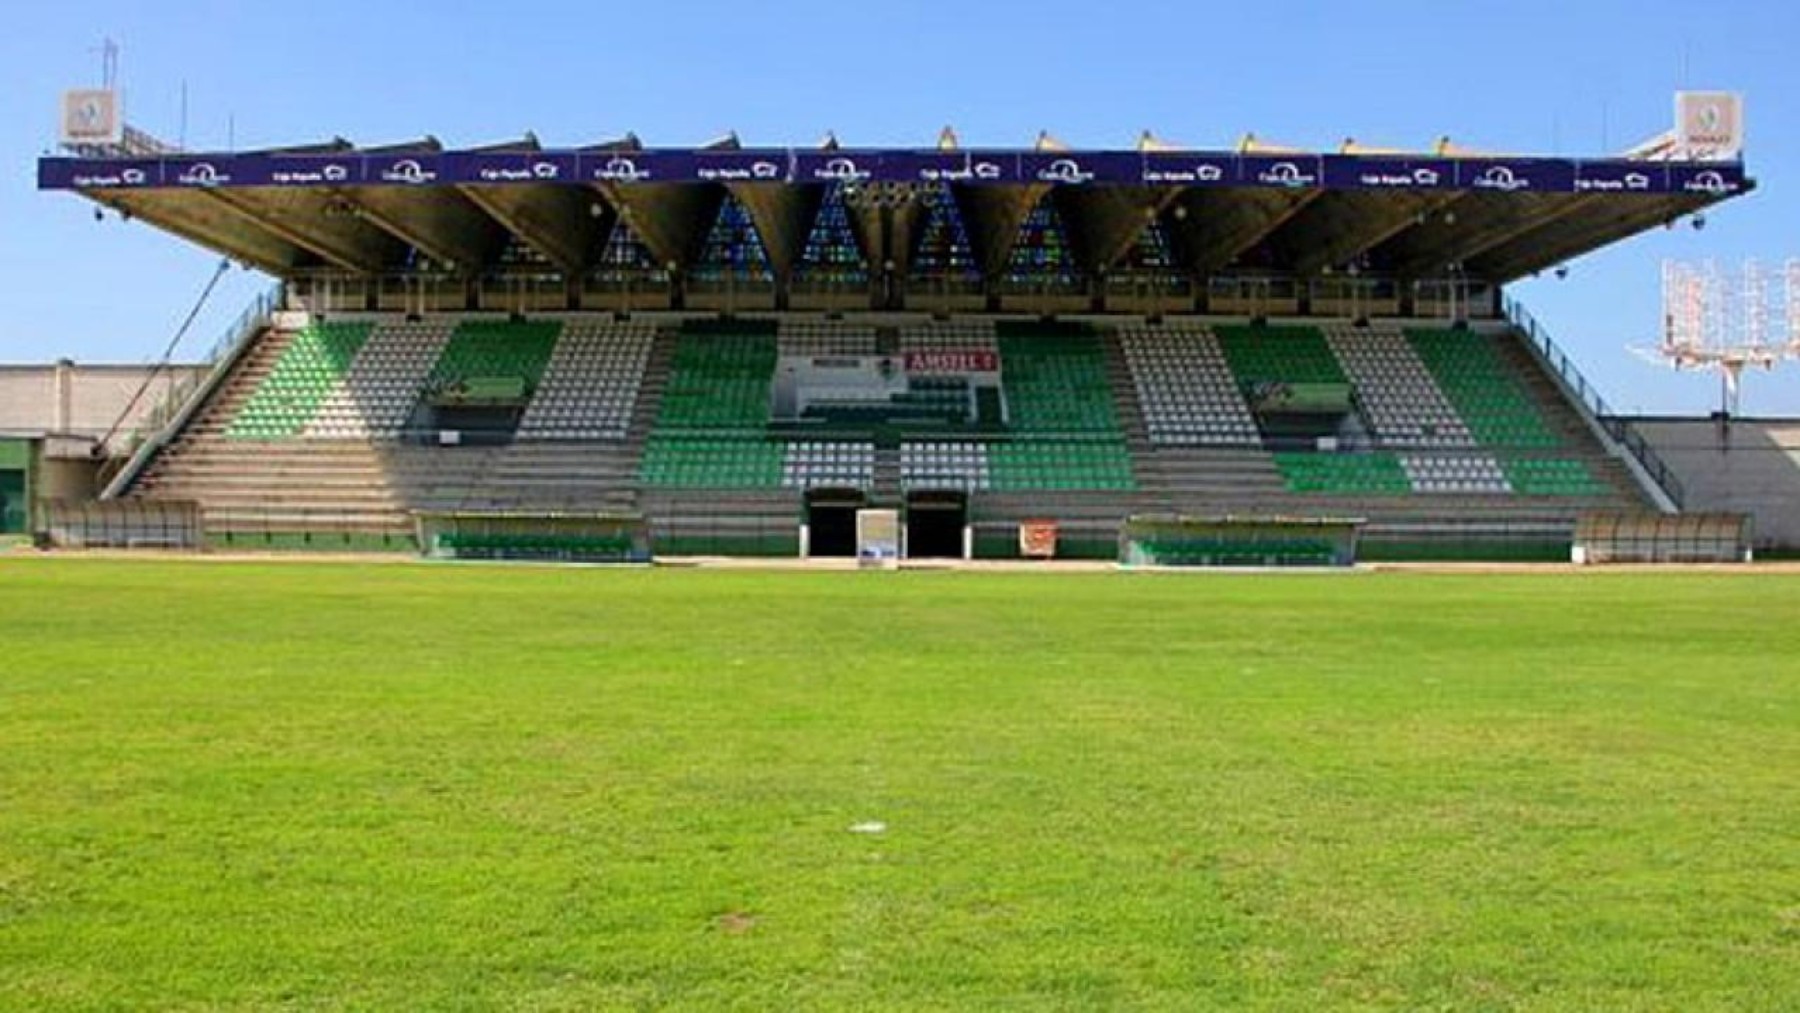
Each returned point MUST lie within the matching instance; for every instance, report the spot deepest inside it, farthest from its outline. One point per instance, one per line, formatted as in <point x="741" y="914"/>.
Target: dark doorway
<point x="934" y="525"/>
<point x="831" y="522"/>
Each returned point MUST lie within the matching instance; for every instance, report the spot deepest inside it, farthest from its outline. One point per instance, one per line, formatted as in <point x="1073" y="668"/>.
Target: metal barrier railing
<point x="179" y="399"/>
<point x="1590" y="400"/>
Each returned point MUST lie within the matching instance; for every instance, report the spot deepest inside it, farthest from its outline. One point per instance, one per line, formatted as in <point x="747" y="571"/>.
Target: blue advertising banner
<point x="950" y="167"/>
<point x="1709" y="180"/>
<point x="1184" y="168"/>
<point x="1354" y="172"/>
<point x="837" y="166"/>
<point x="98" y="174"/>
<point x="1516" y="175"/>
<point x="978" y="167"/>
<point x="404" y="170"/>
<point x="500" y="168"/>
<point x="1080" y="168"/>
<point x="1292" y="172"/>
<point x="1620" y="176"/>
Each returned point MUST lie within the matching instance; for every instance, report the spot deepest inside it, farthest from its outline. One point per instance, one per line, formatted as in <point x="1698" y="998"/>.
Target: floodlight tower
<point x="1712" y="322"/>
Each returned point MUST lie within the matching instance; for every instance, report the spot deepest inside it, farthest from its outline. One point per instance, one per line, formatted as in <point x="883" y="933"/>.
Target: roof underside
<point x="334" y="208"/>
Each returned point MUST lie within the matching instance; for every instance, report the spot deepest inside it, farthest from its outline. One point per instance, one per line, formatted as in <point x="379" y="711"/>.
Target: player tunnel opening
<point x="831" y="522"/>
<point x="935" y="525"/>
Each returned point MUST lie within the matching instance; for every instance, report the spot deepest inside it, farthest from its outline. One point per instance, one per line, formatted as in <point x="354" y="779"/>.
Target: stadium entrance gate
<point x="935" y="525"/>
<point x="831" y="522"/>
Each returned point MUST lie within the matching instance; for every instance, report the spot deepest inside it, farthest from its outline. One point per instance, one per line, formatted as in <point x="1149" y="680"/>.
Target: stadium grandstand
<point x="743" y="347"/>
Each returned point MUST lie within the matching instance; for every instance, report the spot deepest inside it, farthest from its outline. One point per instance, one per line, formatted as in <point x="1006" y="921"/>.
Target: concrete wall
<point x="1747" y="466"/>
<point x="82" y="401"/>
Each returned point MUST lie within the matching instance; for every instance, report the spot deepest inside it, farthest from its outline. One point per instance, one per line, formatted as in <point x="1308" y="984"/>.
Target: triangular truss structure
<point x="832" y="252"/>
<point x="943" y="248"/>
<point x="1041" y="253"/>
<point x="734" y="249"/>
<point x="626" y="256"/>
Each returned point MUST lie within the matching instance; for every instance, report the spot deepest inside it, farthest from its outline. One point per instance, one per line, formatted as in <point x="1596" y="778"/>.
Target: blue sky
<point x="1575" y="77"/>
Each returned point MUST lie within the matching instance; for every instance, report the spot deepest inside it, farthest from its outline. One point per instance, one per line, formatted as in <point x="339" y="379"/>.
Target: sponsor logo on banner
<point x="1288" y="174"/>
<point x="1628" y="182"/>
<point x="292" y="175"/>
<point x="1184" y="171"/>
<point x="1710" y="181"/>
<point x="409" y="171"/>
<point x="620" y="169"/>
<point x="841" y="170"/>
<point x="202" y="174"/>
<point x="109" y="178"/>
<point x="953" y="361"/>
<point x="540" y="172"/>
<point x="1501" y="178"/>
<point x="1064" y="170"/>
<point x="761" y="171"/>
<point x="972" y="171"/>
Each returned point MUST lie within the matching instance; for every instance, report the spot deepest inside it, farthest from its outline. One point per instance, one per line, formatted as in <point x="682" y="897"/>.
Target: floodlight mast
<point x="1710" y="322"/>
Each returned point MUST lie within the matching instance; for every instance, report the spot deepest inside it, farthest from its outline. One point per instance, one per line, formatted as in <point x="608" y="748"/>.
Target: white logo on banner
<point x="1064" y="170"/>
<point x="202" y="174"/>
<point x="841" y="170"/>
<point x="1286" y="174"/>
<point x="133" y="177"/>
<point x="1426" y="177"/>
<point x="335" y="173"/>
<point x="410" y="172"/>
<point x="1637" y="181"/>
<point x="621" y="170"/>
<point x="765" y="170"/>
<point x="1500" y="178"/>
<point x="545" y="170"/>
<point x="1708" y="182"/>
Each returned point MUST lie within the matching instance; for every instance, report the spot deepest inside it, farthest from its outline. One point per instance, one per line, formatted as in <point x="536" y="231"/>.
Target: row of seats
<point x="590" y="384"/>
<point x="1488" y="394"/>
<point x="302" y="378"/>
<point x="1537" y="476"/>
<point x="1395" y="392"/>
<point x="712" y="462"/>
<point x="1057" y="385"/>
<point x="1343" y="474"/>
<point x="1023" y="466"/>
<point x="950" y="465"/>
<point x="826" y="337"/>
<point x="720" y="382"/>
<point x="496" y="348"/>
<point x="382" y="386"/>
<point x="1477" y="474"/>
<point x="828" y="465"/>
<point x="1185" y="388"/>
<point x="1260" y="355"/>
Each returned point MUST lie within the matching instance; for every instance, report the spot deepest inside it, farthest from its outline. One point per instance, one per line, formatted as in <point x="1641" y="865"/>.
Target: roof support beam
<point x="442" y="224"/>
<point x="1362" y="222"/>
<point x="313" y="222"/>
<point x="783" y="217"/>
<point x="1478" y="227"/>
<point x="1217" y="226"/>
<point x="217" y="227"/>
<point x="1103" y="222"/>
<point x="671" y="218"/>
<point x="992" y="215"/>
<point x="567" y="225"/>
<point x="1557" y="241"/>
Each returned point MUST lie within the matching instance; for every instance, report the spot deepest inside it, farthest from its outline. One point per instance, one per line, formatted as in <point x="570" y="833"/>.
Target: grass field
<point x="410" y="786"/>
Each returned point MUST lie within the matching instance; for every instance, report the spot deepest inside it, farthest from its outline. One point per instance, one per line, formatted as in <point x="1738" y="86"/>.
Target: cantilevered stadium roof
<point x="340" y="208"/>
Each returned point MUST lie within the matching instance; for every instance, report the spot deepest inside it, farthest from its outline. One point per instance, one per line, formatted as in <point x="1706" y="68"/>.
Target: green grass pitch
<point x="318" y="785"/>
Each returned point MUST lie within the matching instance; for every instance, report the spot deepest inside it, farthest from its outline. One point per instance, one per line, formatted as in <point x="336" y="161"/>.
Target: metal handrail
<point x="1590" y="400"/>
<point x="154" y="429"/>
